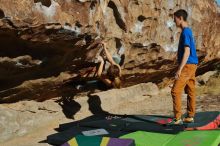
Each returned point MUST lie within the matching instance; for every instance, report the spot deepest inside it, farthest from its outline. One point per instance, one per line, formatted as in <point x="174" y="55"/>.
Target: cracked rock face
<point x="46" y="43"/>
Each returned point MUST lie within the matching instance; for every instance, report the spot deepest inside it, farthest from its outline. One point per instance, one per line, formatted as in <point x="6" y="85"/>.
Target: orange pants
<point x="185" y="81"/>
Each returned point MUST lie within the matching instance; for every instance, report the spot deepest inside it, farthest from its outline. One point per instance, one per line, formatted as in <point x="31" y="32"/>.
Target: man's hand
<point x="178" y="73"/>
<point x="183" y="62"/>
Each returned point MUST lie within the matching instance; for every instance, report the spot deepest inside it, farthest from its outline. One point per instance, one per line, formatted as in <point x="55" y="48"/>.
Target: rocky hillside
<point x="47" y="44"/>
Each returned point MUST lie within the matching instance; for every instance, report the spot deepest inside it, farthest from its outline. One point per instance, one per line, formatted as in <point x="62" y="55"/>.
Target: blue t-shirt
<point x="187" y="39"/>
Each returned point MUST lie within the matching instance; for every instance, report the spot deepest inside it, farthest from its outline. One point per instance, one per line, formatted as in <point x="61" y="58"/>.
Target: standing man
<point x="185" y="75"/>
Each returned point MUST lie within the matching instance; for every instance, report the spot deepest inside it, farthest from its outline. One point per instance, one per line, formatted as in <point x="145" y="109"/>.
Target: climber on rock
<point x="109" y="71"/>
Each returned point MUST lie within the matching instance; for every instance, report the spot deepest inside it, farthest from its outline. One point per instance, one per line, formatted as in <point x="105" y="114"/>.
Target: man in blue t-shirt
<point x="185" y="75"/>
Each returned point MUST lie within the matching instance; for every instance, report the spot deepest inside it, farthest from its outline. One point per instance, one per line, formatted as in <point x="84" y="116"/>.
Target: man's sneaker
<point x="188" y="120"/>
<point x="175" y="122"/>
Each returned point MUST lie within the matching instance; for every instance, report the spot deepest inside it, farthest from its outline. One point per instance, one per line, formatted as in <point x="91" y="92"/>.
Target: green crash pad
<point x="143" y="138"/>
<point x="186" y="138"/>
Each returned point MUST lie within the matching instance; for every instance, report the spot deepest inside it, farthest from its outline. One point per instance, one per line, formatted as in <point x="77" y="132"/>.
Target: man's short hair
<point x="182" y="13"/>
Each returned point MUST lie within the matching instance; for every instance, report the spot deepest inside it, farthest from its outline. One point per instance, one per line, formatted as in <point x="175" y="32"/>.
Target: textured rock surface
<point x="203" y="79"/>
<point x="44" y="47"/>
<point x="41" y="39"/>
<point x="25" y="117"/>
